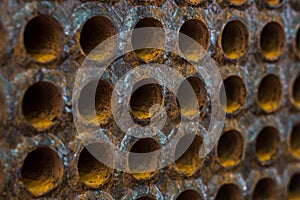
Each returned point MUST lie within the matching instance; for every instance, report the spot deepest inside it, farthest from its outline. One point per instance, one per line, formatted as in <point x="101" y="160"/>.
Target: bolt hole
<point x="272" y="41"/>
<point x="265" y="189"/>
<point x="94" y="31"/>
<point x="42" y="103"/>
<point x="269" y="93"/>
<point x="235" y="39"/>
<point x="189" y="161"/>
<point x="43" y="37"/>
<point x="42" y="170"/>
<point x="267" y="144"/>
<point x="230" y="148"/>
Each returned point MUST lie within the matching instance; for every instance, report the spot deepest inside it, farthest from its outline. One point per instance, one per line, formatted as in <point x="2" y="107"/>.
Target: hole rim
<point x="244" y="30"/>
<point x="59" y="177"/>
<point x="281" y="38"/>
<point x="56" y="26"/>
<point x="279" y="97"/>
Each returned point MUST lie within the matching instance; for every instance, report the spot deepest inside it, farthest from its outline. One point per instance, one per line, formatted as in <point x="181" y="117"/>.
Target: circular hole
<point x="294" y="185"/>
<point x="296" y="91"/>
<point x="235" y="94"/>
<point x="146" y="99"/>
<point x="237" y="2"/>
<point x="42" y="104"/>
<point x="297" y="43"/>
<point x="144" y="145"/>
<point x="189" y="194"/>
<point x="188" y="105"/>
<point x="267" y="144"/>
<point x="295" y="141"/>
<point x="195" y="38"/>
<point x="273" y="2"/>
<point x="94" y="31"/>
<point x="229" y="191"/>
<point x="189" y="161"/>
<point x="272" y="40"/>
<point x="151" y="37"/>
<point x="42" y="171"/>
<point x="269" y="93"/>
<point x="230" y="148"/>
<point x="43" y="37"/>
<point x="265" y="189"/>
<point x="92" y="172"/>
<point x="235" y="39"/>
<point x="94" y="102"/>
<point x="146" y="198"/>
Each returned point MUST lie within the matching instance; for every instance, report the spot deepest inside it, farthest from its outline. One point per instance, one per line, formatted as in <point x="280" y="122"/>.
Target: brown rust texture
<point x="256" y="45"/>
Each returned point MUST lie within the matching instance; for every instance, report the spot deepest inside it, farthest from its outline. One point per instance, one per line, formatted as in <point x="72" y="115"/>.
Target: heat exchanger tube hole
<point x="150" y="37"/>
<point x="296" y="91"/>
<point x="235" y="39"/>
<point x="295" y="141"/>
<point x="189" y="161"/>
<point x="229" y="191"/>
<point x="189" y="194"/>
<point x="187" y="105"/>
<point x="293" y="188"/>
<point x="94" y="31"/>
<point x="269" y="93"/>
<point x="272" y="41"/>
<point x="198" y="41"/>
<point x="42" y="104"/>
<point x="144" y="145"/>
<point x="267" y="143"/>
<point x="94" y="103"/>
<point x="235" y="93"/>
<point x="42" y="170"/>
<point x="265" y="189"/>
<point x="43" y="38"/>
<point x="93" y="172"/>
<point x="230" y="148"/>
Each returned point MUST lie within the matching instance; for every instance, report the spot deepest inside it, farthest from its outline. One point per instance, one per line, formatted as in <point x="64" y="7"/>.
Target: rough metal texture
<point x="258" y="154"/>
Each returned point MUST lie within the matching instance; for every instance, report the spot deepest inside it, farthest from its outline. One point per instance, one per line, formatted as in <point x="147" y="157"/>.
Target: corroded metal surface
<point x="42" y="45"/>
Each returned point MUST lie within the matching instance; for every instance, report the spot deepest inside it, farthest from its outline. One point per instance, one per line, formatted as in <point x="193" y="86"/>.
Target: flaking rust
<point x="255" y="44"/>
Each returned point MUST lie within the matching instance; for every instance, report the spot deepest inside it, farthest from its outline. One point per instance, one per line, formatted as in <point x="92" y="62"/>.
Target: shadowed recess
<point x="229" y="191"/>
<point x="144" y="145"/>
<point x="265" y="189"/>
<point x="235" y="94"/>
<point x="230" y="148"/>
<point x="269" y="93"/>
<point x="199" y="35"/>
<point x="295" y="141"/>
<point x="235" y="39"/>
<point x="293" y="187"/>
<point x="150" y="37"/>
<point x="189" y="194"/>
<point x="272" y="40"/>
<point x="92" y="172"/>
<point x="94" y="31"/>
<point x="94" y="103"/>
<point x="42" y="170"/>
<point x="42" y="104"/>
<point x="267" y="144"/>
<point x="189" y="161"/>
<point x="43" y="38"/>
